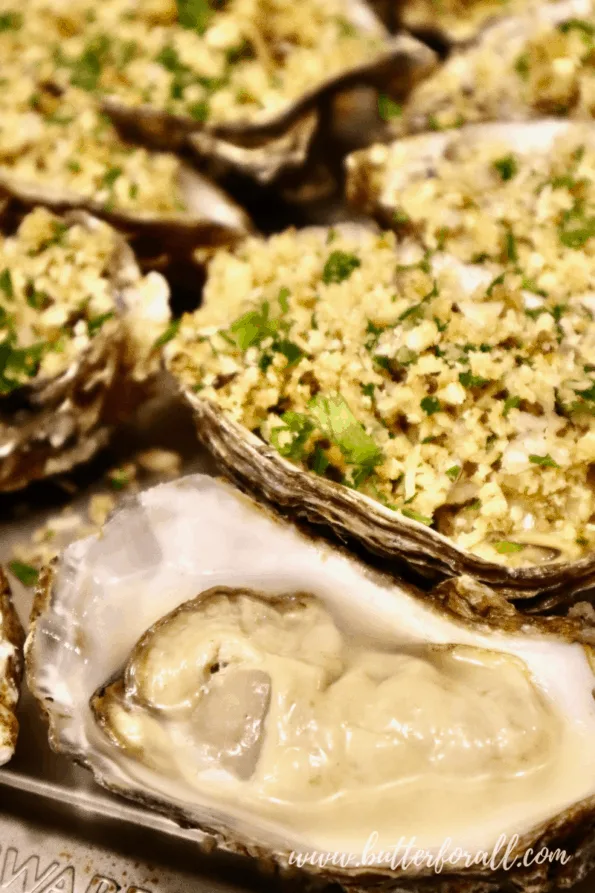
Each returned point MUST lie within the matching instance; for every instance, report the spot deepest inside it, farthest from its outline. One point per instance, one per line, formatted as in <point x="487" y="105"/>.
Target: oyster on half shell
<point x="77" y="342"/>
<point x="65" y="155"/>
<point x="257" y="123"/>
<point x="452" y="21"/>
<point x="11" y="667"/>
<point x="213" y="662"/>
<point x="429" y="405"/>
<point x="524" y="66"/>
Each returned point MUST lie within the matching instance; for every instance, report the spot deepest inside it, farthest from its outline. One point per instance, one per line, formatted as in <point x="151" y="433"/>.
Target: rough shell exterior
<point x="358" y="520"/>
<point x="11" y="670"/>
<point x="49" y="427"/>
<point x="266" y="150"/>
<point x="212" y="218"/>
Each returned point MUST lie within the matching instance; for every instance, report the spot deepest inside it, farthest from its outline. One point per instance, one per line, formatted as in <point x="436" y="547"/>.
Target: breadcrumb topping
<point x="451" y="377"/>
<point x="219" y="62"/>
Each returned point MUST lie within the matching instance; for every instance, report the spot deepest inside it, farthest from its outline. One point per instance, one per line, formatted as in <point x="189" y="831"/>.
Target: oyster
<point x="240" y="83"/>
<point x="64" y="154"/>
<point x="268" y="689"/>
<point x="78" y="328"/>
<point x="525" y="66"/>
<point x="419" y="402"/>
<point x="452" y="21"/>
<point x="11" y="643"/>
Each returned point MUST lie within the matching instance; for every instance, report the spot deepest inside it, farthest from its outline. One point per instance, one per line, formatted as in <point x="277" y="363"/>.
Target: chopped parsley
<point x="10" y="21"/>
<point x="468" y="380"/>
<point x="454" y="472"/>
<point x="511" y="403"/>
<point x="400" y="217"/>
<point x="290" y="438"/>
<point x="415" y="516"/>
<point x="388" y="109"/>
<point x="95" y="323"/>
<point x="253" y="327"/>
<point x="166" y="336"/>
<point x="431" y="405"/>
<point x="507" y="167"/>
<point x="583" y="27"/>
<point x="199" y="110"/>
<point x="27" y="574"/>
<point x="6" y="285"/>
<point x="194" y="14"/>
<point x="290" y="351"/>
<point x="17" y="363"/>
<point x="86" y="71"/>
<point x="111" y="175"/>
<point x="504" y="547"/>
<point x="335" y="419"/>
<point x="510" y="245"/>
<point x="545" y="461"/>
<point x="521" y="66"/>
<point x="118" y="479"/>
<point x="339" y="267"/>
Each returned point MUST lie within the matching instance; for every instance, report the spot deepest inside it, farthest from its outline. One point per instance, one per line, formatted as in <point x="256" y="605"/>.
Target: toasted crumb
<point x="157" y="461"/>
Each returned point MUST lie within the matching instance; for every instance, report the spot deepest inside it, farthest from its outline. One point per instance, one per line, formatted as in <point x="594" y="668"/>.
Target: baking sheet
<point x="59" y="831"/>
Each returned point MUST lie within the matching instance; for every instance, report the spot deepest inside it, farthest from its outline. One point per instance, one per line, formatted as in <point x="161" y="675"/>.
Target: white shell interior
<point x="180" y="539"/>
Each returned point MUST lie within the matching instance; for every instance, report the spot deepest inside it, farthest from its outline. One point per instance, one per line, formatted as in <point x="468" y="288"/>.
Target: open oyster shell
<point x="453" y="22"/>
<point x="210" y="218"/>
<point x="61" y="152"/>
<point x="276" y="143"/>
<point x="378" y="176"/>
<point x="52" y="422"/>
<point x="527" y="65"/>
<point x="312" y="386"/>
<point x="216" y="664"/>
<point x="11" y="667"/>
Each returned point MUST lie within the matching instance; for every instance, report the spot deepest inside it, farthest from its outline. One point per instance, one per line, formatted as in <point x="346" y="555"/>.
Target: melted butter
<point x="269" y="706"/>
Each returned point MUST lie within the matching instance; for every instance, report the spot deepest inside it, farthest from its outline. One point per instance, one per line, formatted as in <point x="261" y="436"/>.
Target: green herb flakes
<point x="504" y="547"/>
<point x="431" y="405"/>
<point x="339" y="267"/>
<point x="27" y="574"/>
<point x="544" y="461"/>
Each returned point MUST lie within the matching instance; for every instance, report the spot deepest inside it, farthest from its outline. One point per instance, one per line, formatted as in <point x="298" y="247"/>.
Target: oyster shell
<point x="453" y="22"/>
<point x="11" y="643"/>
<point x="58" y="411"/>
<point x="65" y="155"/>
<point x="269" y="690"/>
<point x="378" y="176"/>
<point x="524" y="66"/>
<point x="211" y="218"/>
<point x="263" y="138"/>
<point x="316" y="371"/>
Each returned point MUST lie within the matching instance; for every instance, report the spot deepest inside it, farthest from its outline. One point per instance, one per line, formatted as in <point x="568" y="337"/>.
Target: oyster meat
<point x="524" y="66"/>
<point x="215" y="663"/>
<point x="417" y="401"/>
<point x="11" y="666"/>
<point x="78" y="333"/>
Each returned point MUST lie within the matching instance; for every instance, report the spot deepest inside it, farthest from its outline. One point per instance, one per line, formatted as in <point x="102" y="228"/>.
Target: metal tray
<point x="59" y="831"/>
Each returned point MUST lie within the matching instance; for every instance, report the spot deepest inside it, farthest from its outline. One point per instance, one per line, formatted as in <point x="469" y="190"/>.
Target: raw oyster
<point x="429" y="407"/>
<point x="525" y="66"/>
<point x="11" y="643"/>
<point x="241" y="83"/>
<point x="78" y="327"/>
<point x="268" y="689"/>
